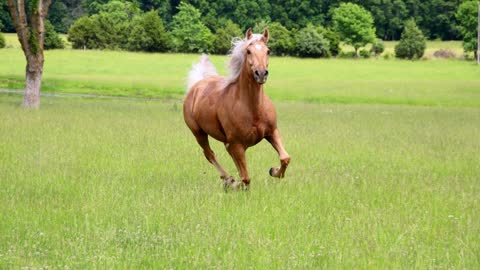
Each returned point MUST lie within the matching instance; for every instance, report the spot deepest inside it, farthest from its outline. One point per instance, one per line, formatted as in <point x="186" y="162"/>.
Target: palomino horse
<point x="235" y="109"/>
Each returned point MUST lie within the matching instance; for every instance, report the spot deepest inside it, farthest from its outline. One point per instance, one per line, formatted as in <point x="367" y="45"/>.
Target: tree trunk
<point x="33" y="82"/>
<point x="31" y="34"/>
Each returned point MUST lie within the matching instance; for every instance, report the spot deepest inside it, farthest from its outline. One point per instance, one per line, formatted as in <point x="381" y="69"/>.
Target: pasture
<point x="384" y="173"/>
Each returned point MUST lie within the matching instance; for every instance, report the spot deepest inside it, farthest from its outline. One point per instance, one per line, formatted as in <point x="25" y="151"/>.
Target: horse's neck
<point x="249" y="91"/>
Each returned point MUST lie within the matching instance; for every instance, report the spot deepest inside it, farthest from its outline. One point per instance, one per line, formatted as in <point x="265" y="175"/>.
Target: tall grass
<point x="123" y="185"/>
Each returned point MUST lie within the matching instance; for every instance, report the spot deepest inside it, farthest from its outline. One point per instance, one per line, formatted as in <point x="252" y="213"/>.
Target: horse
<point x="235" y="109"/>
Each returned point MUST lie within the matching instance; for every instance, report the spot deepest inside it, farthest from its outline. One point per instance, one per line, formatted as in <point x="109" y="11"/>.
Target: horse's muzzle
<point x="260" y="76"/>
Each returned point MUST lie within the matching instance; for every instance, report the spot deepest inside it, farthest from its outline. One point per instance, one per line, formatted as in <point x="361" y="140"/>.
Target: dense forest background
<point x="436" y="18"/>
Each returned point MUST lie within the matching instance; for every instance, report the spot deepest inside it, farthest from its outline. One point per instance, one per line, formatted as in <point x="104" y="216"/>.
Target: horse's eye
<point x="268" y="52"/>
<point x="248" y="52"/>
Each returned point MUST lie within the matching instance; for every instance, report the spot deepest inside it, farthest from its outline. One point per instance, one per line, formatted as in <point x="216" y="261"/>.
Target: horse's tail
<point x="201" y="70"/>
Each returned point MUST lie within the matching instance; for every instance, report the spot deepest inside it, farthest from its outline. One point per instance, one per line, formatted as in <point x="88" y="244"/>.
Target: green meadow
<point x="384" y="173"/>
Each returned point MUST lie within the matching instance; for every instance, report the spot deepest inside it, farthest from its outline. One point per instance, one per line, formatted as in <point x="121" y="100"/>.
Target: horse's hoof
<point x="227" y="182"/>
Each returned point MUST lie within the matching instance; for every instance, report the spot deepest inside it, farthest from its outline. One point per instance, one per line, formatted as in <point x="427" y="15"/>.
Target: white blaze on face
<point x="258" y="47"/>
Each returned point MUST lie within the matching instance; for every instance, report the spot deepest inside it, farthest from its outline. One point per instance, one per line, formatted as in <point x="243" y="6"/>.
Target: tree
<point x="31" y="34"/>
<point x="224" y="36"/>
<point x="412" y="43"/>
<point x="310" y="43"/>
<point x="148" y="34"/>
<point x="2" y="41"/>
<point x="52" y="39"/>
<point x="354" y="25"/>
<point x="280" y="41"/>
<point x="188" y="31"/>
<point x="467" y="16"/>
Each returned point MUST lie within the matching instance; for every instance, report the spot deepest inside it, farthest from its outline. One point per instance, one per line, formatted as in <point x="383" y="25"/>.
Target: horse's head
<point x="257" y="54"/>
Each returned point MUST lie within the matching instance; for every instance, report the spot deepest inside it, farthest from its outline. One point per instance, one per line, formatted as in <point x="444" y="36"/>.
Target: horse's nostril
<point x="256" y="73"/>
<point x="266" y="72"/>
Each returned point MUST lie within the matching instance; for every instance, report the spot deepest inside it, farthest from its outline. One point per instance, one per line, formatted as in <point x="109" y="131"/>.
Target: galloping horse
<point x="235" y="109"/>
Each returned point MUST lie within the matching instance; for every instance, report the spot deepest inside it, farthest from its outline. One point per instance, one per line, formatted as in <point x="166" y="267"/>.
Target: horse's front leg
<point x="237" y="152"/>
<point x="276" y="142"/>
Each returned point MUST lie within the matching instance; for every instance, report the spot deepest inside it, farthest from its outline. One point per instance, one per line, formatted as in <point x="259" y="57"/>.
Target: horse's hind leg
<point x="237" y="152"/>
<point x="202" y="139"/>
<point x="276" y="142"/>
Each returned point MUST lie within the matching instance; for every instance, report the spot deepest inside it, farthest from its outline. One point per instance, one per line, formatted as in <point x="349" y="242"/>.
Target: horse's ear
<point x="266" y="35"/>
<point x="248" y="34"/>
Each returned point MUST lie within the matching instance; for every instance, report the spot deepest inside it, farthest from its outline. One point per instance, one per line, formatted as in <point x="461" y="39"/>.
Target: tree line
<point x="300" y="28"/>
<point x="436" y="18"/>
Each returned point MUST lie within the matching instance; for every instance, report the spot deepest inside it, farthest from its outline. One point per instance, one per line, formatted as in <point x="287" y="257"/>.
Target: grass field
<point x="118" y="184"/>
<point x="428" y="83"/>
<point x="384" y="173"/>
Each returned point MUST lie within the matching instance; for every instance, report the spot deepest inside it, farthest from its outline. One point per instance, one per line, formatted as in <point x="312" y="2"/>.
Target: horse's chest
<point x="255" y="132"/>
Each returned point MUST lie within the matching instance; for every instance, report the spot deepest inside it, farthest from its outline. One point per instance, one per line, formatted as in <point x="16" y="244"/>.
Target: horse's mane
<point x="237" y="56"/>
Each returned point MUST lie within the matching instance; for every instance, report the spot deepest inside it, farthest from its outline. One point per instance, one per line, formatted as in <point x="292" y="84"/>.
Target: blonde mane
<point x="237" y="56"/>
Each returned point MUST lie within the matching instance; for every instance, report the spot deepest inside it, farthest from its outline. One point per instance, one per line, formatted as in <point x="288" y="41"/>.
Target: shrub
<point x="412" y="43"/>
<point x="280" y="41"/>
<point x="310" y="43"/>
<point x="365" y="53"/>
<point x="377" y="47"/>
<point x="106" y="30"/>
<point x="147" y="33"/>
<point x="2" y="41"/>
<point x="224" y="35"/>
<point x="188" y="31"/>
<point x="444" y="53"/>
<point x="52" y="39"/>
<point x="387" y="56"/>
<point x="349" y="54"/>
<point x="333" y="40"/>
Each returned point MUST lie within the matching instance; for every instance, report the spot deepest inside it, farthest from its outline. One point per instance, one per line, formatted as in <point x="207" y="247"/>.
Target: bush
<point x="334" y="41"/>
<point x="52" y="39"/>
<point x="106" y="30"/>
<point x="412" y="43"/>
<point x="188" y="31"/>
<point x="280" y="41"/>
<point x="2" y="41"/>
<point x="347" y="54"/>
<point x="224" y="35"/>
<point x="365" y="53"/>
<point x="387" y="56"/>
<point x="377" y="47"/>
<point x="148" y="34"/>
<point x="444" y="53"/>
<point x="310" y="43"/>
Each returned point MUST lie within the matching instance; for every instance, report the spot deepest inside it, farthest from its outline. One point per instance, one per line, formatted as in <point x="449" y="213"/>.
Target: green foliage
<point x="377" y="47"/>
<point x="310" y="43"/>
<point x="224" y="35"/>
<point x="467" y="15"/>
<point x="281" y="41"/>
<point x="333" y="40"/>
<point x="365" y="53"/>
<point x="57" y="13"/>
<point x="188" y="31"/>
<point x="147" y="33"/>
<point x="354" y="25"/>
<point x="412" y="44"/>
<point x="83" y="34"/>
<point x="2" y="41"/>
<point x="105" y="30"/>
<point x="52" y="39"/>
